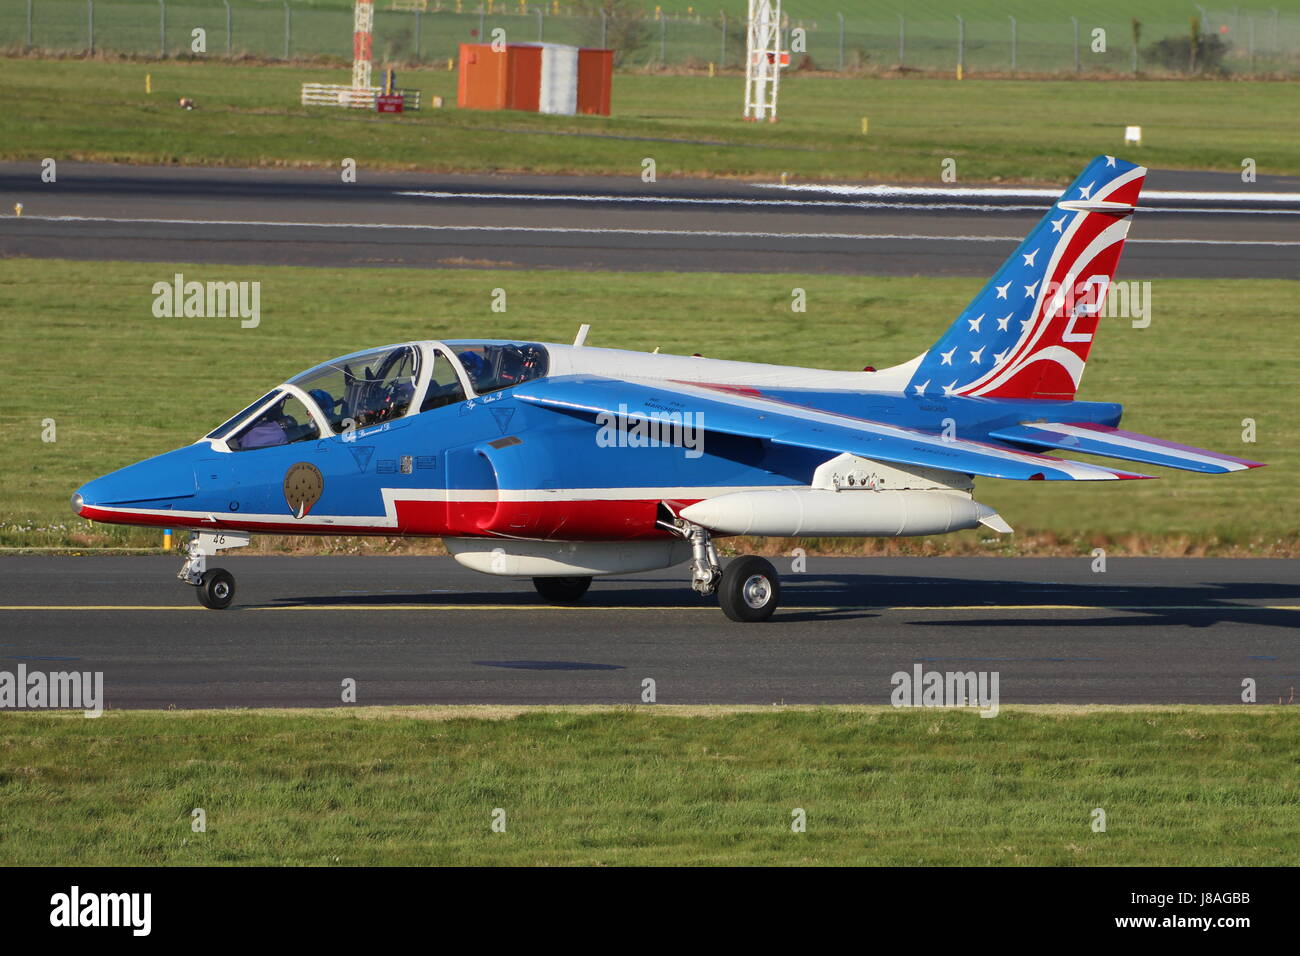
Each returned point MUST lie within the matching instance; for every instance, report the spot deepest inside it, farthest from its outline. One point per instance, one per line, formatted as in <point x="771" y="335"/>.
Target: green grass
<point x="690" y="32"/>
<point x="79" y="344"/>
<point x="1189" y="786"/>
<point x="1013" y="130"/>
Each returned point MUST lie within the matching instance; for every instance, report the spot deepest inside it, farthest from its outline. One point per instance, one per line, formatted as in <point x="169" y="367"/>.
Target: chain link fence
<point x="415" y="31"/>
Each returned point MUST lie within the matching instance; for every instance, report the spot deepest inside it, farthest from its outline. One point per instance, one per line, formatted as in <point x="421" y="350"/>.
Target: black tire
<point x="750" y="589"/>
<point x="216" y="589"/>
<point x="562" y="590"/>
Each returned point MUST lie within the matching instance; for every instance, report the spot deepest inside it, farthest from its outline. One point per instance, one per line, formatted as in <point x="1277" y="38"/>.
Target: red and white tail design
<point x="1029" y="331"/>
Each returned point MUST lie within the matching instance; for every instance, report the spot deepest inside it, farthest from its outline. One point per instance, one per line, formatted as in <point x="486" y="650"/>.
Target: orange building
<point x="538" y="77"/>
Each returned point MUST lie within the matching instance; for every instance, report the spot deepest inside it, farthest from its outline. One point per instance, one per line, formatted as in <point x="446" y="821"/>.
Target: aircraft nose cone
<point x="154" y="483"/>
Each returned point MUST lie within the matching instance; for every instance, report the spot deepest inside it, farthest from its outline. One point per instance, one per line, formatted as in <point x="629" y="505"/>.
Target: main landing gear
<point x="215" y="586"/>
<point x="748" y="589"/>
<point x="562" y="590"/>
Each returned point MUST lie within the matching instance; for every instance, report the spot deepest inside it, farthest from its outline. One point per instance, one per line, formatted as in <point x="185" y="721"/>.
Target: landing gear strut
<point x="706" y="572"/>
<point x="216" y="586"/>
<point x="748" y="589"/>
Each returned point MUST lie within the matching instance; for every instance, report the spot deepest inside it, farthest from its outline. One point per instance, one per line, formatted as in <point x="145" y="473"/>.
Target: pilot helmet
<point x="475" y="365"/>
<point x="324" y="400"/>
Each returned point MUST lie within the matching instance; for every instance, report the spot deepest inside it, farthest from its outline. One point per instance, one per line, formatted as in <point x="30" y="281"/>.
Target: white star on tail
<point x="1026" y="323"/>
<point x="920" y="389"/>
<point x="1086" y="191"/>
<point x="1002" y="322"/>
<point x="1002" y="290"/>
<point x="1110" y="160"/>
<point x="1058" y="223"/>
<point x="1029" y="259"/>
<point x="1031" y="290"/>
<point x="948" y="390"/>
<point x="975" y="323"/>
<point x="998" y="357"/>
<point x="947" y="356"/>
<point x="975" y="356"/>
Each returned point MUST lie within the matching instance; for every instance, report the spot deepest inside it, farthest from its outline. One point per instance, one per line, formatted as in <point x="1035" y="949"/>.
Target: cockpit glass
<point x="221" y="429"/>
<point x="283" y="423"/>
<point x="493" y="366"/>
<point x="365" y="389"/>
<point x="444" y="385"/>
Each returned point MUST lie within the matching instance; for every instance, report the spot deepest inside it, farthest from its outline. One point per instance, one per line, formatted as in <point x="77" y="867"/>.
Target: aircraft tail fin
<point x="1027" y="334"/>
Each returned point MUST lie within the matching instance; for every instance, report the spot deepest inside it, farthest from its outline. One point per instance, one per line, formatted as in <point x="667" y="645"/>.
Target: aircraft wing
<point x="1117" y="443"/>
<point x="744" y="413"/>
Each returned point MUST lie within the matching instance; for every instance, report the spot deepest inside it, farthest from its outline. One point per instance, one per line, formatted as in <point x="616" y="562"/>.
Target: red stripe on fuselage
<point x="596" y="520"/>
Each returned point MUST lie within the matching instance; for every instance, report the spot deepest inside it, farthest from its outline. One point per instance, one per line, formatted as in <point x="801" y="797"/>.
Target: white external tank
<point x="516" y="557"/>
<point x="794" y="512"/>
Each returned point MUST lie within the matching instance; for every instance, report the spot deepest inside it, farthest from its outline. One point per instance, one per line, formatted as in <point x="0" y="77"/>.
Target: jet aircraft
<point x="561" y="463"/>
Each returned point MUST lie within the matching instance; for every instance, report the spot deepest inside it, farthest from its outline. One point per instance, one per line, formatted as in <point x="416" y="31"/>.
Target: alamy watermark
<point x="922" y="688"/>
<point x="179" y="299"/>
<point x="59" y="690"/>
<point x="657" y="429"/>
<point x="1129" y="299"/>
<point x="76" y="908"/>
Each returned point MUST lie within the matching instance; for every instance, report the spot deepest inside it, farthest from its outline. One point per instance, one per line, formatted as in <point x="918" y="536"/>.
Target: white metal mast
<point x="763" y="58"/>
<point x="363" y="24"/>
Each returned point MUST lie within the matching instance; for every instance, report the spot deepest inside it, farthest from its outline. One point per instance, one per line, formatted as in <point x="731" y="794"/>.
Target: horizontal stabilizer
<point x="1099" y="205"/>
<point x="1115" y="443"/>
<point x="613" y="401"/>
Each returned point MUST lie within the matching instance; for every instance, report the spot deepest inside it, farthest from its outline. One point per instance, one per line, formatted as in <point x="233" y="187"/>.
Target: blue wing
<point x="741" y="412"/>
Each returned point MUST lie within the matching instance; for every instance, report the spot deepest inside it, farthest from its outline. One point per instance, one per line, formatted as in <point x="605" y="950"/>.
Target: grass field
<point x="1173" y="10"/>
<point x="79" y="344"/>
<point x="1263" y="40"/>
<point x="1190" y="786"/>
<point x="1012" y="130"/>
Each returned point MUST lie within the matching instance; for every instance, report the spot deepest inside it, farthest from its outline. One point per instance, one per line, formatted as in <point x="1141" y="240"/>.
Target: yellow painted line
<point x="682" y="607"/>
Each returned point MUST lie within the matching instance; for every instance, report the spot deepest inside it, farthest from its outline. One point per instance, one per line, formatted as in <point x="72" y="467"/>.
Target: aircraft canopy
<point x="379" y="385"/>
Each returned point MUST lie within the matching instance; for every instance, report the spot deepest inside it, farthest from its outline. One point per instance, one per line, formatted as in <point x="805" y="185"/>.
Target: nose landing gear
<point x="216" y="586"/>
<point x="216" y="589"/>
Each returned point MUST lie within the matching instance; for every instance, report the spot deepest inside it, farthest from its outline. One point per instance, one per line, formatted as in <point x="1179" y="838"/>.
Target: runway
<point x="421" y="630"/>
<point x="1191" y="224"/>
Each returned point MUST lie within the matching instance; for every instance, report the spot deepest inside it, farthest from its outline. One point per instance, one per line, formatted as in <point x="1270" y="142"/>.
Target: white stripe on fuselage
<point x="393" y="496"/>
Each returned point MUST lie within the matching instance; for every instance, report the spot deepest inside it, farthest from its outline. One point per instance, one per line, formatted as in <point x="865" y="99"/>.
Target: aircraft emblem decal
<point x="362" y="454"/>
<point x="503" y="416"/>
<point x="303" y="484"/>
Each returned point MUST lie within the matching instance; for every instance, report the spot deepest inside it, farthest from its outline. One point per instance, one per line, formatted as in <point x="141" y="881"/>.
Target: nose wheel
<point x="215" y="587"/>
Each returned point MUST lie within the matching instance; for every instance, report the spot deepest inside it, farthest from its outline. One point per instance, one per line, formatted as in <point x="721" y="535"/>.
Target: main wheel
<point x="216" y="589"/>
<point x="562" y="590"/>
<point x="750" y="589"/>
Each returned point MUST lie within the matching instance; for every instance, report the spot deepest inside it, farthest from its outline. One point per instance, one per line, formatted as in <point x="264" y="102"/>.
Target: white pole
<point x="763" y="60"/>
<point x="363" y="24"/>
